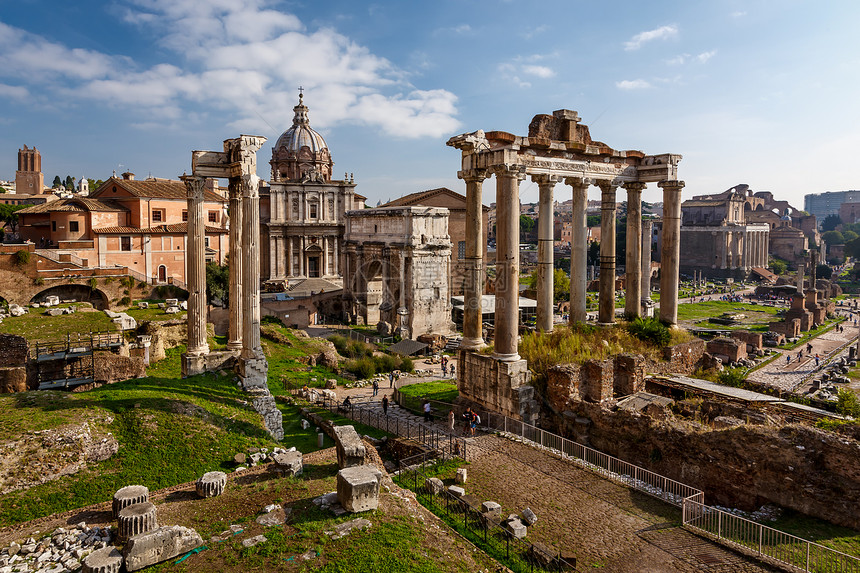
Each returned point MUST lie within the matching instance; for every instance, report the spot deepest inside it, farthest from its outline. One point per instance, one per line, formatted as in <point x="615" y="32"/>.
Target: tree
<point x="527" y="225"/>
<point x="592" y="221"/>
<point x="57" y="182"/>
<point x="94" y="183"/>
<point x="217" y="282"/>
<point x="560" y="284"/>
<point x="70" y="183"/>
<point x="852" y="248"/>
<point x="9" y="215"/>
<point x="848" y="236"/>
<point x="847" y="403"/>
<point x="593" y="256"/>
<point x="823" y="271"/>
<point x="830" y="222"/>
<point x="833" y="238"/>
<point x="778" y="266"/>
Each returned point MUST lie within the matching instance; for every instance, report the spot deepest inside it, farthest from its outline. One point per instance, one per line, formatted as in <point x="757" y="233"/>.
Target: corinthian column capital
<point x="509" y="170"/>
<point x="250" y="185"/>
<point x="671" y="185"/>
<point x="473" y="175"/>
<point x="195" y="186"/>
<point x="608" y="185"/>
<point x="634" y="186"/>
<point x="579" y="181"/>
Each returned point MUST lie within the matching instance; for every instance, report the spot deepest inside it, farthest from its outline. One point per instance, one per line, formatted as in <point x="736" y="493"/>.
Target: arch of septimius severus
<point x="557" y="149"/>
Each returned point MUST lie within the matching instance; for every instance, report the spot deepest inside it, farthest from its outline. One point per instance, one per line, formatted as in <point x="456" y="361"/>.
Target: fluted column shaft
<point x="606" y="308"/>
<point x="234" y="332"/>
<point x="647" y="229"/>
<point x="474" y="287"/>
<point x="507" y="262"/>
<point x="251" y="347"/>
<point x="633" y="257"/>
<point x="196" y="266"/>
<point x="578" y="249"/>
<point x="545" y="278"/>
<point x="671" y="251"/>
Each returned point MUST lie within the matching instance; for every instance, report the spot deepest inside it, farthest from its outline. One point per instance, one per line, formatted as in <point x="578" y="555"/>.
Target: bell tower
<point x="28" y="178"/>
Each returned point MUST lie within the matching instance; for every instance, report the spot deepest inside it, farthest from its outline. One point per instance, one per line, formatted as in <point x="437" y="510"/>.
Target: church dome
<point x="300" y="152"/>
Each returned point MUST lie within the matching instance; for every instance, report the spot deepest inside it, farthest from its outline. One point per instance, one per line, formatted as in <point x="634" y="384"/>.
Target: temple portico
<point x="558" y="148"/>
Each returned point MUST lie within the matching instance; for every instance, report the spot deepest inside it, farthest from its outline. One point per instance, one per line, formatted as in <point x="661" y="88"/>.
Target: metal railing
<point x="764" y="542"/>
<point x="466" y="515"/>
<point x="421" y="433"/>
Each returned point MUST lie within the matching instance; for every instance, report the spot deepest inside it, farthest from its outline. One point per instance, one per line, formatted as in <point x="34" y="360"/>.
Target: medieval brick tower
<point x="28" y="178"/>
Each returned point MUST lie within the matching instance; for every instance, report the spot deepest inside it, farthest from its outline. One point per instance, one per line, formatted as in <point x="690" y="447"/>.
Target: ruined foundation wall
<point x="798" y="467"/>
<point x="497" y="386"/>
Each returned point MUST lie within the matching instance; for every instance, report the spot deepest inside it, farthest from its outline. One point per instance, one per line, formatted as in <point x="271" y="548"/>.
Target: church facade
<point x="303" y="210"/>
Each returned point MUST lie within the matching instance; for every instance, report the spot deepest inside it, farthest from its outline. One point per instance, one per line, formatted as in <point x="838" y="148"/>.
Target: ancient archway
<point x="77" y="293"/>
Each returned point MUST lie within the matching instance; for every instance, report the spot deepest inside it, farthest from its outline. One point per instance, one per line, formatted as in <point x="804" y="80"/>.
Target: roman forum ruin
<point x="238" y="164"/>
<point x="558" y="148"/>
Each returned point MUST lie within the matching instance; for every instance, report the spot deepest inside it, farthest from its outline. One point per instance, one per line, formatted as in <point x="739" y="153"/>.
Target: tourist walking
<point x="467" y="421"/>
<point x="444" y="370"/>
<point x="391" y="379"/>
<point x="816" y="359"/>
<point x="452" y="372"/>
<point x="375" y="388"/>
<point x="385" y="405"/>
<point x="427" y="416"/>
<point x="809" y="348"/>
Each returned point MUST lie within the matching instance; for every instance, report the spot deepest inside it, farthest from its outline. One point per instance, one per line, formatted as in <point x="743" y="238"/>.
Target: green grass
<point x="38" y="327"/>
<point x="153" y="313"/>
<point x="439" y="391"/>
<point x="714" y="308"/>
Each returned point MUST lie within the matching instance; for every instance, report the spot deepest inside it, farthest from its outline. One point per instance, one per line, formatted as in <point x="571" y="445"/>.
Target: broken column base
<point x="496" y="385"/>
<point x="253" y="372"/>
<point x="648" y="307"/>
<point x="211" y="362"/>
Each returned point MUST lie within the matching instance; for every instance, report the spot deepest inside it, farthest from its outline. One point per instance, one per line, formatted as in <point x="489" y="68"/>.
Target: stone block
<point x="516" y="528"/>
<point x="350" y="448"/>
<point x="106" y="560"/>
<point x="461" y="475"/>
<point x="252" y="541"/>
<point x="492" y="507"/>
<point x="160" y="545"/>
<point x="456" y="491"/>
<point x="136" y="519"/>
<point x="129" y="495"/>
<point x="529" y="517"/>
<point x="434" y="485"/>
<point x="211" y="484"/>
<point x="289" y="462"/>
<point x="358" y="488"/>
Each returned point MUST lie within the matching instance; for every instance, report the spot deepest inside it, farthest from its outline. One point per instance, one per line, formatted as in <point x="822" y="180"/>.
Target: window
<point x="213" y="216"/>
<point x="53" y="226"/>
<point x="314" y="213"/>
<point x="206" y="241"/>
<point x="184" y="215"/>
<point x="125" y="243"/>
<point x="461" y="250"/>
<point x="157" y="216"/>
<point x="73" y="226"/>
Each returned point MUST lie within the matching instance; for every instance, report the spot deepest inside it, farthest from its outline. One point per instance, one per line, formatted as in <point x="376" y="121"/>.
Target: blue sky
<point x="762" y="92"/>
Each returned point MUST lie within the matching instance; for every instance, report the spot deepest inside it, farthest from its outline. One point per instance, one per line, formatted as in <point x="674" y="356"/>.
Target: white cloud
<point x="661" y="33"/>
<point x="632" y="84"/>
<point x="539" y="71"/>
<point x="738" y="14"/>
<point x="534" y="32"/>
<point x="678" y="60"/>
<point x="240" y="60"/>
<point x="459" y="30"/>
<point x="705" y="56"/>
<point x="13" y="92"/>
<point x="515" y="69"/>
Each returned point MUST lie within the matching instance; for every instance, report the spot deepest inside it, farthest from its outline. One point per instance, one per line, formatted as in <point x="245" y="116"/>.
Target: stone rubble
<point x="344" y="529"/>
<point x="60" y="552"/>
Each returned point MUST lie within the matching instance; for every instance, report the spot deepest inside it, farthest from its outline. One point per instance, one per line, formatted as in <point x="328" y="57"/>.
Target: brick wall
<point x="14" y="350"/>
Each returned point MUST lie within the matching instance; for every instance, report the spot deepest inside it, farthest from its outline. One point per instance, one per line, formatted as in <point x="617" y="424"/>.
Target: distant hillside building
<point x="28" y="178"/>
<point x="823" y="204"/>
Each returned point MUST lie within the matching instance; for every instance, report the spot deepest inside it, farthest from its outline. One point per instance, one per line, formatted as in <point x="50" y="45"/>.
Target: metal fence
<point x="764" y="542"/>
<point x="428" y="436"/>
<point x="466" y="515"/>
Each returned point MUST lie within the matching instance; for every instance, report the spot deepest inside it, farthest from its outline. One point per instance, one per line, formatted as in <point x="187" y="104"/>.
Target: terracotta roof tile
<point x="154" y="188"/>
<point x="178" y="228"/>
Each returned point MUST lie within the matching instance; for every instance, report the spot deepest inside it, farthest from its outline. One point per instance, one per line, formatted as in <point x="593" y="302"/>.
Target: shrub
<point x="358" y="349"/>
<point x="38" y="281"/>
<point x="94" y="282"/>
<point x="406" y="364"/>
<point x="362" y="367"/>
<point x="734" y="377"/>
<point x="848" y="404"/>
<point x="125" y="301"/>
<point x="269" y="319"/>
<point x="339" y="343"/>
<point x="22" y="257"/>
<point x="651" y="330"/>
<point x="109" y="280"/>
<point x="387" y="363"/>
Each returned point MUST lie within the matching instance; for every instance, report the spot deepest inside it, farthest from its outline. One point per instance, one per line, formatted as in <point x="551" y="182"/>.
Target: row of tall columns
<point x="633" y="258"/>
<point x="234" y="332"/>
<point x="474" y="281"/>
<point x="196" y="266"/>
<point x="546" y="243"/>
<point x="671" y="250"/>
<point x="251" y="347"/>
<point x="606" y="303"/>
<point x="507" y="316"/>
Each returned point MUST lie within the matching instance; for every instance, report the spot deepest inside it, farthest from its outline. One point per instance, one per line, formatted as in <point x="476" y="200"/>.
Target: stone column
<point x="302" y="256"/>
<point x="578" y="248"/>
<point x="289" y="271"/>
<point x="545" y="282"/>
<point x="647" y="229"/>
<point x="633" y="258"/>
<point x="474" y="263"/>
<point x="671" y="251"/>
<point x="234" y="333"/>
<point x="195" y="262"/>
<point x="251" y="348"/>
<point x="606" y="308"/>
<point x="507" y="261"/>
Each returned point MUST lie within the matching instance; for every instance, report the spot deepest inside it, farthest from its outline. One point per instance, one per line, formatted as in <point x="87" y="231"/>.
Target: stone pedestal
<point x="358" y="488"/>
<point x="211" y="484"/>
<point x="135" y="520"/>
<point x="497" y="385"/>
<point x="193" y="364"/>
<point x="129" y="495"/>
<point x="289" y="463"/>
<point x="350" y="448"/>
<point x="253" y="372"/>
